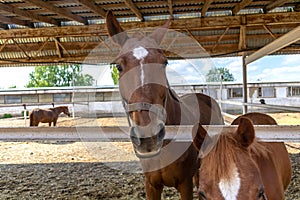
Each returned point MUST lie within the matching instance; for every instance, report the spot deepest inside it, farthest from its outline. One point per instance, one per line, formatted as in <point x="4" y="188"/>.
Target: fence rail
<point x="278" y="107"/>
<point x="267" y="133"/>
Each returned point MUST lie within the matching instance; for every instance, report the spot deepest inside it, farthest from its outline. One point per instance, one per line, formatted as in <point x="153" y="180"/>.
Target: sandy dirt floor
<point x="86" y="170"/>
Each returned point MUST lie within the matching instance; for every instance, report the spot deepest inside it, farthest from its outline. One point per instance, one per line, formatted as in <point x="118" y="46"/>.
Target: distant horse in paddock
<point x="150" y="104"/>
<point x="49" y="115"/>
<point x="239" y="167"/>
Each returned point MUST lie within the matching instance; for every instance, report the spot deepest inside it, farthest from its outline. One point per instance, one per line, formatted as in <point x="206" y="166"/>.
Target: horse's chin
<point x="150" y="154"/>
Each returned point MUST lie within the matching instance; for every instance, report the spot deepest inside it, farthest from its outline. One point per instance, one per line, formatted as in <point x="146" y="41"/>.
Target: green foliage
<point x="6" y="115"/>
<point x="215" y="74"/>
<point x="13" y="86"/>
<point x="114" y="74"/>
<point x="58" y="76"/>
<point x="22" y="113"/>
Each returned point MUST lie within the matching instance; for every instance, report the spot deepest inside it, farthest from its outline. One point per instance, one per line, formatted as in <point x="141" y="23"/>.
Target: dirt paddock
<point x="82" y="170"/>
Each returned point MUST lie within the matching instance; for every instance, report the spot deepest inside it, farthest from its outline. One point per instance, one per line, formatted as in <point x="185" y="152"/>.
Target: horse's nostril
<point x="161" y="133"/>
<point x="133" y="136"/>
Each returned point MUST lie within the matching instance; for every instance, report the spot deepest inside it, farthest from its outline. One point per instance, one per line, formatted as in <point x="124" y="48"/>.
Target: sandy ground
<point x="87" y="170"/>
<point x="49" y="152"/>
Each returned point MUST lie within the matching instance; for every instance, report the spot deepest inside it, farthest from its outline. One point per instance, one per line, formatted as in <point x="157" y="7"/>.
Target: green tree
<point x="215" y="74"/>
<point x="114" y="74"/>
<point x="58" y="76"/>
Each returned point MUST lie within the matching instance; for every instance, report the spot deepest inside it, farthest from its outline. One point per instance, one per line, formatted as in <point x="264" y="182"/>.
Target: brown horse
<point x="150" y="104"/>
<point x="240" y="168"/>
<point x="49" y="115"/>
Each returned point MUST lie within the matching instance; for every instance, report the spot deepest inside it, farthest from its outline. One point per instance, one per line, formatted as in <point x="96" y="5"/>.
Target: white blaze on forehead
<point x="230" y="187"/>
<point x="140" y="53"/>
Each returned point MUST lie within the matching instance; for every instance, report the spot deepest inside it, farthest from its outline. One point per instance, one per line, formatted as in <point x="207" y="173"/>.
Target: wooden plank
<point x="59" y="11"/>
<point x="26" y="15"/>
<point x="205" y="7"/>
<point x="108" y="134"/>
<point x="170" y="5"/>
<point x="178" y="24"/>
<point x="285" y="40"/>
<point x="91" y="5"/>
<point x="274" y="4"/>
<point x="134" y="9"/>
<point x="11" y="20"/>
<point x="240" y="6"/>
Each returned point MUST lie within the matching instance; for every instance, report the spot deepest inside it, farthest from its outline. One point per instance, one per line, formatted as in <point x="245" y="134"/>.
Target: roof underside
<point x="73" y="31"/>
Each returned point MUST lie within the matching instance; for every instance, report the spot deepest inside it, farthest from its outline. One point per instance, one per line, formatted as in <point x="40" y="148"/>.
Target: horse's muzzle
<point x="147" y="141"/>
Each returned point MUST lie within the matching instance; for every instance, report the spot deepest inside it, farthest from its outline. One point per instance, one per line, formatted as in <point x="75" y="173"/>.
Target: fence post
<point x="25" y="114"/>
<point x="245" y="83"/>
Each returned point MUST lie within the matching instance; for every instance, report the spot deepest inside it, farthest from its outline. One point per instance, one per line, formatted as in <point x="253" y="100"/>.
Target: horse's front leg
<point x="54" y="122"/>
<point x="186" y="189"/>
<point x="153" y="193"/>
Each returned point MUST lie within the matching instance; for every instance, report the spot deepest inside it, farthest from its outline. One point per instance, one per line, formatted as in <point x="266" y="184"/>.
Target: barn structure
<point x="39" y="32"/>
<point x="49" y="31"/>
<point x="53" y="32"/>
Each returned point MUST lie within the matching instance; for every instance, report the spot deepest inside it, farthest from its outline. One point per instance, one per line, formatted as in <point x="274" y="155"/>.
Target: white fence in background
<point x="267" y="133"/>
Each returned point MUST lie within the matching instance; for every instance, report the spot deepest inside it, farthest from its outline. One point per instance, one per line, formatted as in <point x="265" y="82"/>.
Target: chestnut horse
<point x="49" y="115"/>
<point x="150" y="104"/>
<point x="240" y="168"/>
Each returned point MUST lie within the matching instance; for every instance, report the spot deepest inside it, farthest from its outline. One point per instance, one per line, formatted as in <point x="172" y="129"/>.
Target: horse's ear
<point x="199" y="134"/>
<point x="115" y="30"/>
<point x="159" y="34"/>
<point x="245" y="133"/>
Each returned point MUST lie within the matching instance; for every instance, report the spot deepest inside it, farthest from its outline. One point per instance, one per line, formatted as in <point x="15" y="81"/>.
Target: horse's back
<point x="208" y="111"/>
<point x="277" y="165"/>
<point x="257" y="119"/>
<point x="41" y="115"/>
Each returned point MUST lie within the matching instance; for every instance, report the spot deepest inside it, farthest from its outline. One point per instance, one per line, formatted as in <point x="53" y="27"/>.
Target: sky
<point x="268" y="69"/>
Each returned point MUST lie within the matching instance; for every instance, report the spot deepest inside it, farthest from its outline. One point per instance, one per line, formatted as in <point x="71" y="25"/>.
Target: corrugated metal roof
<point x="216" y="26"/>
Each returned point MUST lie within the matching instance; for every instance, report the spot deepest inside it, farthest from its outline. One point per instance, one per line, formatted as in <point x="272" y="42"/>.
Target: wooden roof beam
<point x="274" y="4"/>
<point x="60" y="11"/>
<point x="292" y="18"/>
<point x="242" y="38"/>
<point x="240" y="6"/>
<point x="11" y="20"/>
<point x="134" y="9"/>
<point x="170" y="5"/>
<point x="26" y="14"/>
<point x="283" y="41"/>
<point x="91" y="5"/>
<point x="269" y="31"/>
<point x="205" y="7"/>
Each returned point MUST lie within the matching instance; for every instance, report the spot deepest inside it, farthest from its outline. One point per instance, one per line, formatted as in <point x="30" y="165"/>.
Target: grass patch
<point x="6" y="115"/>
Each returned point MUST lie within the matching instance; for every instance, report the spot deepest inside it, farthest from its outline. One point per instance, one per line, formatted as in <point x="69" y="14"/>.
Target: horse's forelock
<point x="133" y="43"/>
<point x="220" y="160"/>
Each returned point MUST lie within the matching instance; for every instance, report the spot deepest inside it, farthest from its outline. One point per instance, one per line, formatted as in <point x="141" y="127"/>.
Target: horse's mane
<point x="219" y="161"/>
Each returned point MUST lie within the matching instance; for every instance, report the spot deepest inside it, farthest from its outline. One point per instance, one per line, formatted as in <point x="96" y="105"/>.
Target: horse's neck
<point x="173" y="110"/>
<point x="183" y="110"/>
<point x="58" y="110"/>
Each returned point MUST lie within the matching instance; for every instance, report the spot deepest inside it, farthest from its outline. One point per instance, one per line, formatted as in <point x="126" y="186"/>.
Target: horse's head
<point x="143" y="85"/>
<point x="228" y="170"/>
<point x="66" y="111"/>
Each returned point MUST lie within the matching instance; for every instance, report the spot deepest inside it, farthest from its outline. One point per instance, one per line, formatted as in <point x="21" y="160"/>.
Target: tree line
<point x="69" y="75"/>
<point x="59" y="76"/>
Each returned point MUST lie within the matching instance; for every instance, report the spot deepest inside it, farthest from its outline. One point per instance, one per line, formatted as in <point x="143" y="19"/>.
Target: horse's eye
<point x="119" y="67"/>
<point x="165" y="63"/>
